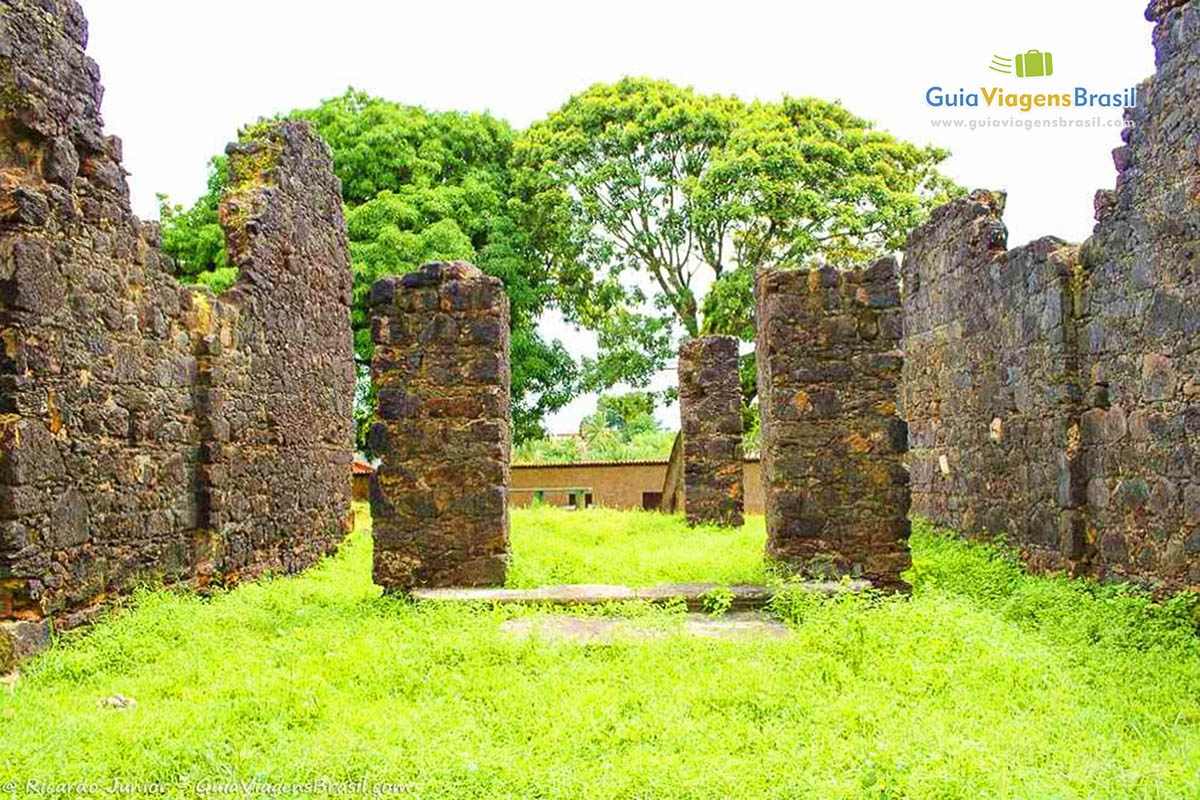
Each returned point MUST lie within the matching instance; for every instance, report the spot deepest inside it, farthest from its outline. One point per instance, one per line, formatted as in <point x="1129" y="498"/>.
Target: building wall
<point x="1053" y="392"/>
<point x="150" y="430"/>
<point x="360" y="486"/>
<point x="753" y="486"/>
<point x="613" y="485"/>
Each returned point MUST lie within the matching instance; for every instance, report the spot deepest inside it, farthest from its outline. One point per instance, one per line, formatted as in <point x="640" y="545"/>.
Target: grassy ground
<point x="985" y="683"/>
<point x="638" y="548"/>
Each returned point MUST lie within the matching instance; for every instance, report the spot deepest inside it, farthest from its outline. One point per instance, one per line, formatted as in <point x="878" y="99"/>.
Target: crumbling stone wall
<point x="1139" y="327"/>
<point x="1051" y="391"/>
<point x="441" y="371"/>
<point x="275" y="388"/>
<point x="835" y="487"/>
<point x="150" y="430"/>
<point x="710" y="413"/>
<point x="991" y="380"/>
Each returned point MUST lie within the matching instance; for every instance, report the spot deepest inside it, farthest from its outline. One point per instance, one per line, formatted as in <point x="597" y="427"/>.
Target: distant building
<point x="583" y="484"/>
<point x="614" y="484"/>
<point x="360" y="477"/>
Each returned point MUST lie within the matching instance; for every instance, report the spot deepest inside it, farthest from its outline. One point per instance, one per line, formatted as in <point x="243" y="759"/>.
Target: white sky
<point x="181" y="77"/>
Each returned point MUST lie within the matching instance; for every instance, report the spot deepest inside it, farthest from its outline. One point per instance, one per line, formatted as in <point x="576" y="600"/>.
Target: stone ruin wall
<point x="152" y="431"/>
<point x="710" y="414"/>
<point x="1140" y="326"/>
<point x="439" y="498"/>
<point x="835" y="488"/>
<point x="277" y="388"/>
<point x="991" y="379"/>
<point x="148" y="430"/>
<point x="1053" y="392"/>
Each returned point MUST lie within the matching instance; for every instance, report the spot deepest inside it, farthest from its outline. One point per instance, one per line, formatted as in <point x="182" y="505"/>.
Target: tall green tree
<point x="194" y="238"/>
<point x="644" y="192"/>
<point x="627" y="414"/>
<point x="624" y="427"/>
<point x="418" y="186"/>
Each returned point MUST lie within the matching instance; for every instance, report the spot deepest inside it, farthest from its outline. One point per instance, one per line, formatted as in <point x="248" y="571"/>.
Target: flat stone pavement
<point x="585" y="630"/>
<point x="744" y="596"/>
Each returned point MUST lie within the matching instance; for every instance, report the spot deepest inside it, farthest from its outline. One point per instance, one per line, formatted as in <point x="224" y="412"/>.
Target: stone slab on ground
<point x="738" y="625"/>
<point x="20" y="640"/>
<point x="744" y="596"/>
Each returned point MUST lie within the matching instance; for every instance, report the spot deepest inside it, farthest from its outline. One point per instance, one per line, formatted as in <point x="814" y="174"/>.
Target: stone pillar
<point x="710" y="412"/>
<point x="836" y="490"/>
<point x="441" y="371"/>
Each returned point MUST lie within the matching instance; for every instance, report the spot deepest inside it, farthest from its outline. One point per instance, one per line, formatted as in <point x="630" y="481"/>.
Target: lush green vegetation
<point x="986" y="683"/>
<point x="631" y="185"/>
<point x="622" y="428"/>
<point x="435" y="185"/>
<point x="656" y="205"/>
<point x="193" y="236"/>
<point x="637" y="548"/>
<point x="645" y="446"/>
<point x="418" y="186"/>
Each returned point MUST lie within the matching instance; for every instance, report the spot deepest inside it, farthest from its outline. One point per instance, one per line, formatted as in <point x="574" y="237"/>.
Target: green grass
<point x="637" y="548"/>
<point x="985" y="683"/>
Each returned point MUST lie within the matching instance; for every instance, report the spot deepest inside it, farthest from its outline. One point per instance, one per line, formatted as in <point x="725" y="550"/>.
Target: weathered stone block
<point x="710" y="412"/>
<point x="442" y="428"/>
<point x="836" y="490"/>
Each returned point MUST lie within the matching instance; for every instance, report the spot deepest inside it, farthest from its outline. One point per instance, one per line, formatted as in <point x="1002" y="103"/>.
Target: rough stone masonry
<point x="441" y="370"/>
<point x="834" y="482"/>
<point x="710" y="414"/>
<point x="991" y="378"/>
<point x="1053" y="392"/>
<point x="148" y="430"/>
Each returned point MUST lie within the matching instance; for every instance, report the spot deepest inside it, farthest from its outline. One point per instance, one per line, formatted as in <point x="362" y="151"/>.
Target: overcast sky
<point x="181" y="77"/>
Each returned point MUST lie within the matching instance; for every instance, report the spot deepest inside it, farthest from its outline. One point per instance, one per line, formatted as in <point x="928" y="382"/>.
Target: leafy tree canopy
<point x="622" y="428"/>
<point x="418" y="186"/>
<point x="627" y="414"/>
<point x="194" y="237"/>
<point x="643" y="191"/>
